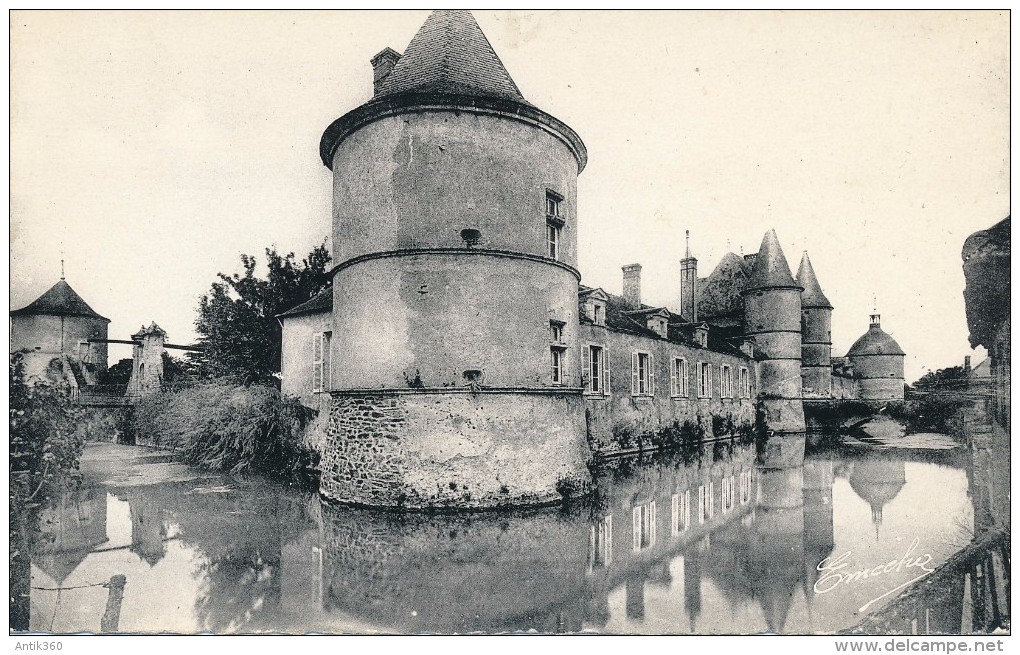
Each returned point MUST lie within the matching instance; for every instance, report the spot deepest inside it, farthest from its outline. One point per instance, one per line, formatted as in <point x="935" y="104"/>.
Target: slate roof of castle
<point x="621" y="317"/>
<point x="875" y="342"/>
<point x="771" y="268"/>
<point x="59" y="300"/>
<point x="320" y="302"/>
<point x="450" y="54"/>
<point x="812" y="296"/>
<point x="719" y="293"/>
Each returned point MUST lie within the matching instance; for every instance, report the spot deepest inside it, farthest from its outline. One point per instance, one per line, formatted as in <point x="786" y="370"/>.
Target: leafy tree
<point x="236" y="320"/>
<point x="119" y="373"/>
<point x="944" y="379"/>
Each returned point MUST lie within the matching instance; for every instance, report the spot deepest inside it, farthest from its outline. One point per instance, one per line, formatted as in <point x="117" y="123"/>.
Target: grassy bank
<point x="224" y="427"/>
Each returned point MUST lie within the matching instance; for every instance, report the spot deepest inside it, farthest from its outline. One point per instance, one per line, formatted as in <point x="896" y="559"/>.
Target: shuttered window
<point x="596" y="369"/>
<point x="642" y="374"/>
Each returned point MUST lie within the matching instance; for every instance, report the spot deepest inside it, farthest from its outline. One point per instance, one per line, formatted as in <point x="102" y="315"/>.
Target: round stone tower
<point x="816" y="334"/>
<point x="878" y="364"/>
<point x="772" y="319"/>
<point x="59" y="324"/>
<point x="456" y="372"/>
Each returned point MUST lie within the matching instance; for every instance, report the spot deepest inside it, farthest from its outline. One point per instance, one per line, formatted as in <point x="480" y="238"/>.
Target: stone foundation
<point x="435" y="448"/>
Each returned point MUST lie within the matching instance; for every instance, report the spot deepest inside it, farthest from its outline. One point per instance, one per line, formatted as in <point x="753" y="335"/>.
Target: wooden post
<point x="111" y="618"/>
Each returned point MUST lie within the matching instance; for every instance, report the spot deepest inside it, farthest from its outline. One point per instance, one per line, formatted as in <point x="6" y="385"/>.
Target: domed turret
<point x="878" y="363"/>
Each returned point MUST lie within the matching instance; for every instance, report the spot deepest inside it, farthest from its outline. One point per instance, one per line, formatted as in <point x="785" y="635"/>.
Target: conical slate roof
<point x="60" y="300"/>
<point x="812" y="296"/>
<point x="875" y="342"/>
<point x="450" y="54"/>
<point x="771" y="268"/>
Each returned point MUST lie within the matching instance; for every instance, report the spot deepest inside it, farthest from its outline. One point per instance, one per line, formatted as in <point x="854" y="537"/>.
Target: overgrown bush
<point x="929" y="412"/>
<point x="47" y="435"/>
<point x="45" y="442"/>
<point x="229" y="428"/>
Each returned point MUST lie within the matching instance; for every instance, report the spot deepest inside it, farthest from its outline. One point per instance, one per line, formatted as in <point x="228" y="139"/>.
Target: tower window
<point x="557" y="364"/>
<point x="553" y="202"/>
<point x="553" y="234"/>
<point x="556" y="331"/>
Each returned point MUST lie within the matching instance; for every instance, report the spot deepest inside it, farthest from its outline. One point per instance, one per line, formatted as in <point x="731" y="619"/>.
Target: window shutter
<point x="633" y="373"/>
<point x="651" y="375"/>
<point x="586" y="367"/>
<point x="327" y="361"/>
<point x="606" y="388"/>
<point x="674" y="382"/>
<point x="317" y="361"/>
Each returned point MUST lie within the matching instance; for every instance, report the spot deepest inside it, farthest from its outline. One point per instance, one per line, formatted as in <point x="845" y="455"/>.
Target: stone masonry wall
<point x="450" y="448"/>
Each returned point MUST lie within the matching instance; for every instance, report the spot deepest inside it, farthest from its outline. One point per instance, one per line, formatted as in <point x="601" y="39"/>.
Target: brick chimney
<point x="966" y="364"/>
<point x="382" y="64"/>
<point x="632" y="285"/>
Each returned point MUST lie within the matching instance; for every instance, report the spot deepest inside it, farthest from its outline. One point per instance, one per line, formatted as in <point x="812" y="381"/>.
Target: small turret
<point x="816" y="334"/>
<point x="772" y="319"/>
<point x="878" y="363"/>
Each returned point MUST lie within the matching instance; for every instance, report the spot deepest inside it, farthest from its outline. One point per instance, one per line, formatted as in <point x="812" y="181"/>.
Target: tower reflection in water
<point x="722" y="540"/>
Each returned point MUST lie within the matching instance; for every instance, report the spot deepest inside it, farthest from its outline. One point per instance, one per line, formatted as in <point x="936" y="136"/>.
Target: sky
<point x="150" y="149"/>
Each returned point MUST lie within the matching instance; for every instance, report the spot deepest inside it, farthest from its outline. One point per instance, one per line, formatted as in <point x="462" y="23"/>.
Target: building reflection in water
<point x="725" y="540"/>
<point x="71" y="527"/>
<point x="877" y="479"/>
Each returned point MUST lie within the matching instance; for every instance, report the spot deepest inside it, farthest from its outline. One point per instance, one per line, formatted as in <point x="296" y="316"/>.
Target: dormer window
<point x="598" y="313"/>
<point x="658" y="325"/>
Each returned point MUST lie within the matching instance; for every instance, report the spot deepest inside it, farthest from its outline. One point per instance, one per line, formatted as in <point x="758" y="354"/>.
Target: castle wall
<point x="437" y="447"/>
<point x="297" y="358"/>
<point x="416" y="179"/>
<point x="435" y="316"/>
<point x="622" y="412"/>
<point x="844" y="388"/>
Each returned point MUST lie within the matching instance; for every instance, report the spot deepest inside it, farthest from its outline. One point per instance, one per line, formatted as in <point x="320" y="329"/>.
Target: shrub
<point x="47" y="435"/>
<point x="230" y="428"/>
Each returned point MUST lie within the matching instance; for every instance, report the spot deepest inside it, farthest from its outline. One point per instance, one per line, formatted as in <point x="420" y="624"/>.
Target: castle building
<point x="877" y="361"/>
<point x="52" y="333"/>
<point x="458" y="357"/>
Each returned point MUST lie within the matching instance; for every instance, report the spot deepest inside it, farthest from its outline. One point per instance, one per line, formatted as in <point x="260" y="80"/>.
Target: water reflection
<point x="726" y="540"/>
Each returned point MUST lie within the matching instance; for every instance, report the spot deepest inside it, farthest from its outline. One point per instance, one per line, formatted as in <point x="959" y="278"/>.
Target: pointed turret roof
<point x="812" y="295"/>
<point x="450" y="54"/>
<point x="771" y="268"/>
<point x="448" y="63"/>
<point x="59" y="300"/>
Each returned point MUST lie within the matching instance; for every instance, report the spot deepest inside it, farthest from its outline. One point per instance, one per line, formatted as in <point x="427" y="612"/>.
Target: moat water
<point x="710" y="542"/>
